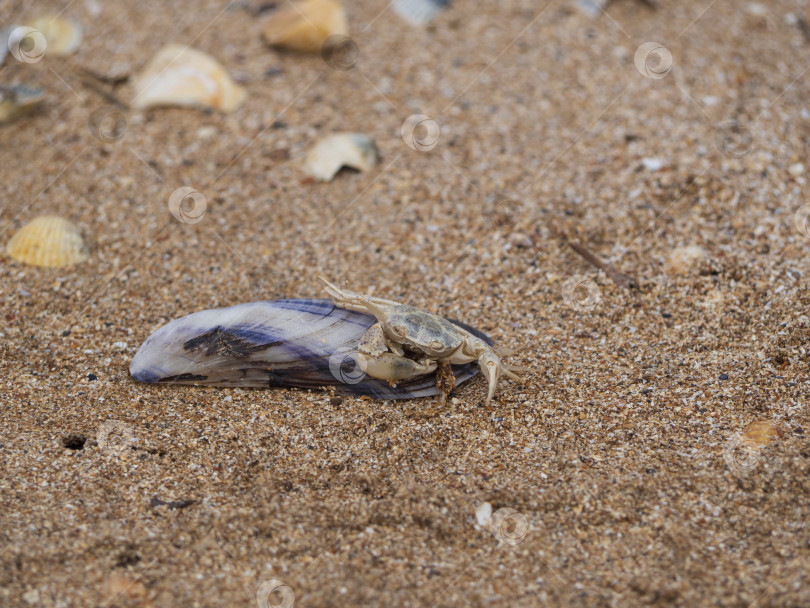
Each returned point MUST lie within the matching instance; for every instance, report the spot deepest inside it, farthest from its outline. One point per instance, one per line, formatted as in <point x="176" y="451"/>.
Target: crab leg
<point x="488" y="361"/>
<point x="355" y="301"/>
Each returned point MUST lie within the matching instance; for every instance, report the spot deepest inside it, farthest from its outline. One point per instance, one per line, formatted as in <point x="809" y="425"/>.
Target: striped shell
<point x="49" y="241"/>
<point x="182" y="76"/>
<point x="298" y="343"/>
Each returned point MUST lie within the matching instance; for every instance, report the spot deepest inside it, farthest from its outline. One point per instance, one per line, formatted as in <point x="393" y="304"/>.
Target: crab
<point x="407" y="341"/>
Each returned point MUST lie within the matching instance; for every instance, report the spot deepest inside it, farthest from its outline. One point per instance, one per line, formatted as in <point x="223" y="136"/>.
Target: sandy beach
<point x="657" y="453"/>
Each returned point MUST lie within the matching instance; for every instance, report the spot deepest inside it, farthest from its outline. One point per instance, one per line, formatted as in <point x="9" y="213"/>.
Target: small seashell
<point x="306" y="25"/>
<point x="592" y="8"/>
<point x="299" y="343"/>
<point x="682" y="259"/>
<point x="419" y="12"/>
<point x="62" y="36"/>
<point x="762" y="432"/>
<point x="182" y="76"/>
<point x="353" y="150"/>
<point x="49" y="241"/>
<point x="17" y="100"/>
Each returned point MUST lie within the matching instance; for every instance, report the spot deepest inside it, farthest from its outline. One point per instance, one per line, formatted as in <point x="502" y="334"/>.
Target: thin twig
<point x="88" y="79"/>
<point x="622" y="280"/>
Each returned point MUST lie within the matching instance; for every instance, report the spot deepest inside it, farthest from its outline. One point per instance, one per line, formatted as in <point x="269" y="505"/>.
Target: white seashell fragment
<point x="419" y="12"/>
<point x="62" y="36"/>
<point x="353" y="150"/>
<point x="182" y="76"/>
<point x="592" y="8"/>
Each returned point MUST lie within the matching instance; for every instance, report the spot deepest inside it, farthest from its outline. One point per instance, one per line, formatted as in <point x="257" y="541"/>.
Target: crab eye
<point x="400" y="330"/>
<point x="436" y="345"/>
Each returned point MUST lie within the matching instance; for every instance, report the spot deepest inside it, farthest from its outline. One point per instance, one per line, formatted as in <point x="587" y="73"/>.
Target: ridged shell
<point x="305" y="26"/>
<point x="297" y="343"/>
<point x="353" y="150"/>
<point x="183" y="76"/>
<point x="49" y="241"/>
<point x="62" y="36"/>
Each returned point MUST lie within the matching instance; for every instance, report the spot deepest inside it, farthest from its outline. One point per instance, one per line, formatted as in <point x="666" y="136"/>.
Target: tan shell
<point x="762" y="432"/>
<point x="182" y="76"/>
<point x="353" y="150"/>
<point x="49" y="241"/>
<point x="62" y="36"/>
<point x="305" y="26"/>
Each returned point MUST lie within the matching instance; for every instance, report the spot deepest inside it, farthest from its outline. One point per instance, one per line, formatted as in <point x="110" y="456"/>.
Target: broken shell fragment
<point x="419" y="12"/>
<point x="62" y="36"/>
<point x="49" y="241"/>
<point x="762" y="432"/>
<point x="182" y="76"/>
<point x="305" y="26"/>
<point x="17" y="100"/>
<point x="592" y="8"/>
<point x="353" y="150"/>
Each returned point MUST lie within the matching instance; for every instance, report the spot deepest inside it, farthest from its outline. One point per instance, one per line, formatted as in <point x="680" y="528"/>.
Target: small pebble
<point x="483" y="514"/>
<point x="723" y="377"/>
<point x="796" y="170"/>
<point x="92" y="377"/>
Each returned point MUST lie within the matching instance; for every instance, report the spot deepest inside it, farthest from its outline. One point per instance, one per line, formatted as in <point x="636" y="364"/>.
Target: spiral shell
<point x="49" y="241"/>
<point x="182" y="76"/>
<point x="305" y="26"/>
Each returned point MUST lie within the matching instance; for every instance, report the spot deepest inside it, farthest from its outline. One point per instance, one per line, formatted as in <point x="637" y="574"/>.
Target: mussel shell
<point x="297" y="343"/>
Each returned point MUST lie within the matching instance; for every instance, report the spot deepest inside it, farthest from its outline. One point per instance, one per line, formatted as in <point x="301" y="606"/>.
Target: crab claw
<point x="492" y="368"/>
